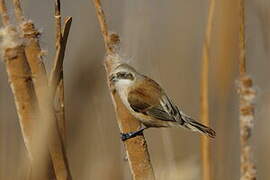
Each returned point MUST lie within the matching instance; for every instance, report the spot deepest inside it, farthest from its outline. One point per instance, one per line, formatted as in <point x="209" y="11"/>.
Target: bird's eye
<point x="130" y="76"/>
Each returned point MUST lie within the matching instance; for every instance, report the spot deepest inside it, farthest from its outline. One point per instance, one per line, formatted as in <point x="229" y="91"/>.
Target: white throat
<point x="123" y="84"/>
<point x="122" y="88"/>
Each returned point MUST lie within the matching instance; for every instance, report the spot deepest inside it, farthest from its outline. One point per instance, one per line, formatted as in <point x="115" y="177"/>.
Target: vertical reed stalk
<point x="138" y="156"/>
<point x="246" y="117"/>
<point x="204" y="105"/>
<point x="56" y="80"/>
<point x="20" y="78"/>
<point x="47" y="130"/>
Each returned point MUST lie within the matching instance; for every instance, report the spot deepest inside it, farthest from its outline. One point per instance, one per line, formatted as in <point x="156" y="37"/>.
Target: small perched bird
<point x="149" y="103"/>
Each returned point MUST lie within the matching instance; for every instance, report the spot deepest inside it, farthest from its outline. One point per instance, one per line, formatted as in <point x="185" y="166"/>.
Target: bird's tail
<point x="195" y="126"/>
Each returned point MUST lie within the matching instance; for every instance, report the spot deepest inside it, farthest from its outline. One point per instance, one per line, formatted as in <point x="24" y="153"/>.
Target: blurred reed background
<point x="162" y="39"/>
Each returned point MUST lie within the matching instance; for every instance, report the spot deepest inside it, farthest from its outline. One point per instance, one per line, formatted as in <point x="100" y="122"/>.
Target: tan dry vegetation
<point x="204" y="96"/>
<point x="33" y="98"/>
<point x="163" y="40"/>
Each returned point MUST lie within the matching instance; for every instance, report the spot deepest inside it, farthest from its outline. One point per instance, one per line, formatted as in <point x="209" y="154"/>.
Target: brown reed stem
<point x="20" y="78"/>
<point x="45" y="98"/>
<point x="242" y="37"/>
<point x="204" y="105"/>
<point x="104" y="27"/>
<point x="58" y="28"/>
<point x="61" y="42"/>
<point x="57" y="75"/>
<point x="246" y="108"/>
<point x="136" y="148"/>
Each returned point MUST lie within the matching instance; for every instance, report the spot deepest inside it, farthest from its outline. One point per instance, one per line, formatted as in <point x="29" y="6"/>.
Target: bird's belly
<point x="150" y="121"/>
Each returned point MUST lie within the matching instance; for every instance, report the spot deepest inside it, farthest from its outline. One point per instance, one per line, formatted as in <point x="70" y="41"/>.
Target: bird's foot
<point x="126" y="136"/>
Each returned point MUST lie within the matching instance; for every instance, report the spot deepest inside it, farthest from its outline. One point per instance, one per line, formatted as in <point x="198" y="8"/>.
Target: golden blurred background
<point x="162" y="39"/>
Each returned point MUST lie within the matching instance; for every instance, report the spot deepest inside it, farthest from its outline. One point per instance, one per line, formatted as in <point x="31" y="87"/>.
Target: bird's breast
<point x="123" y="93"/>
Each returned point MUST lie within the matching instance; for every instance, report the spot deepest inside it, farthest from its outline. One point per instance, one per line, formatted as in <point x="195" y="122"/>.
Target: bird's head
<point x="123" y="75"/>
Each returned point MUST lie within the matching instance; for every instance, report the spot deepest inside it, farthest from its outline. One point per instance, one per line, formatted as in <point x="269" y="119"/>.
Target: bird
<point x="148" y="102"/>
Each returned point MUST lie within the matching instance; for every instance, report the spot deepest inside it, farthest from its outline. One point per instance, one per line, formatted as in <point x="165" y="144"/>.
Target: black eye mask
<point x="124" y="75"/>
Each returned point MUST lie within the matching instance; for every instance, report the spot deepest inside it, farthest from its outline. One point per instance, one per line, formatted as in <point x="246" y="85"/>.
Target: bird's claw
<point x="125" y="136"/>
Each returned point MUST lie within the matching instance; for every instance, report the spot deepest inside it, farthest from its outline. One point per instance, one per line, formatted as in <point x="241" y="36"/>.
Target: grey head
<point x="123" y="73"/>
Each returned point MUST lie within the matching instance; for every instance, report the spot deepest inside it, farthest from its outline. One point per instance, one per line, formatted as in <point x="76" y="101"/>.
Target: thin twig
<point x="57" y="16"/>
<point x="205" y="144"/>
<point x="242" y="59"/>
<point x="136" y="148"/>
<point x="247" y="108"/>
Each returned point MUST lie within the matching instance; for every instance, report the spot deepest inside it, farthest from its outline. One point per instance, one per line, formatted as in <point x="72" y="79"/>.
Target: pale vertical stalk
<point x="39" y="77"/>
<point x="45" y="98"/>
<point x="169" y="155"/>
<point x="246" y="109"/>
<point x="57" y="75"/>
<point x="136" y="148"/>
<point x="204" y="103"/>
<point x="58" y="27"/>
<point x="20" y="78"/>
<point x="242" y="39"/>
<point x="60" y="109"/>
<point x="56" y="80"/>
<point x="47" y="130"/>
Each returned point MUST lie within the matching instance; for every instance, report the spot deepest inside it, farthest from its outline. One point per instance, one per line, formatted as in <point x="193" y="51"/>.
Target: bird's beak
<point x="112" y="78"/>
